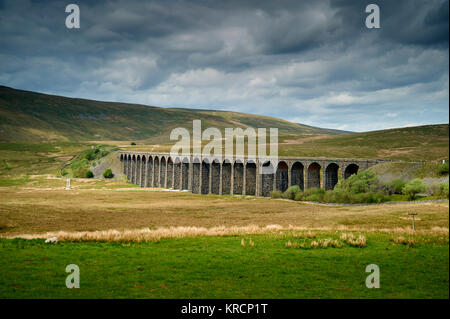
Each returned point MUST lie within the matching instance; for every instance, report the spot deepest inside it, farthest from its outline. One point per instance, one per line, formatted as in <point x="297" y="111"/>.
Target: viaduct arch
<point x="241" y="176"/>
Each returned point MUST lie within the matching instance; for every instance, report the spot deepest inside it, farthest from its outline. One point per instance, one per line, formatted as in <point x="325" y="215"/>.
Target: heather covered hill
<point x="30" y="116"/>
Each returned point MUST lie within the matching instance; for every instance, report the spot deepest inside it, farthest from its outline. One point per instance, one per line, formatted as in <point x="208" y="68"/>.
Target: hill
<point x="35" y="117"/>
<point x="419" y="143"/>
<point x="30" y="116"/>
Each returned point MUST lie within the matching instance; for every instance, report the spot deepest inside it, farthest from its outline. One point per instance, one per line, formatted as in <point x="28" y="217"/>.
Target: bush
<point x="444" y="190"/>
<point x="362" y="182"/>
<point x="89" y="174"/>
<point x="133" y="143"/>
<point x="275" y="194"/>
<point x="443" y="169"/>
<point x="291" y="192"/>
<point x="438" y="190"/>
<point x="108" y="173"/>
<point x="395" y="186"/>
<point x="298" y="196"/>
<point x="90" y="155"/>
<point x="80" y="172"/>
<point x="359" y="188"/>
<point x="413" y="188"/>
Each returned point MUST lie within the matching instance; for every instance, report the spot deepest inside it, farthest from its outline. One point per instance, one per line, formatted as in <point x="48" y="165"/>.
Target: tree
<point x="362" y="182"/>
<point x="89" y="174"/>
<point x="396" y="186"/>
<point x="413" y="188"/>
<point x="108" y="173"/>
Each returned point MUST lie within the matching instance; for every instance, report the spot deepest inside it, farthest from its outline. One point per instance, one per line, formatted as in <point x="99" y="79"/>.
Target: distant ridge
<point x="329" y="130"/>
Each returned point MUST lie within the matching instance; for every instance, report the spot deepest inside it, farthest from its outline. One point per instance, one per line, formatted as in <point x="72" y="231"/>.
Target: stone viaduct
<point x="229" y="176"/>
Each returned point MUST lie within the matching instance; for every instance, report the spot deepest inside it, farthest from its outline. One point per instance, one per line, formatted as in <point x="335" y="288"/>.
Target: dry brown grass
<point x="38" y="211"/>
<point x="352" y="240"/>
<point x="411" y="242"/>
<point x="146" y="234"/>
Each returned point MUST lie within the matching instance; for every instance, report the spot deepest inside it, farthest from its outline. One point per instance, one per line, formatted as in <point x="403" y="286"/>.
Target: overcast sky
<point x="311" y="62"/>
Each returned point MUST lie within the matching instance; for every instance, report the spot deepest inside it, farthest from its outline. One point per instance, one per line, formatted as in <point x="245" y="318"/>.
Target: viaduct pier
<point x="209" y="175"/>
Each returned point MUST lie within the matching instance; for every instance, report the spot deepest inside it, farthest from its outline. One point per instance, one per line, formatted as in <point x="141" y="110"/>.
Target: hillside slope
<point x="419" y="143"/>
<point x="29" y="116"/>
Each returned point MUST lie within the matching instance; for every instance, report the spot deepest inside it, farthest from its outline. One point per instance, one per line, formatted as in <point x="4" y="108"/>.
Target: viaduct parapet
<point x="207" y="175"/>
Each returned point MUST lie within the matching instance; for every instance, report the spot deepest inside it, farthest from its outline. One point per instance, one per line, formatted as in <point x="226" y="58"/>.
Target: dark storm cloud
<point x="313" y="62"/>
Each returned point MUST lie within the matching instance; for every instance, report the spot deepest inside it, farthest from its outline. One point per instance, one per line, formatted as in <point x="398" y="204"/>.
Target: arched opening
<point x="238" y="177"/>
<point x="185" y="174"/>
<point x="143" y="171"/>
<point x="169" y="173"/>
<point x="267" y="178"/>
<point x="226" y="177"/>
<point x="331" y="176"/>
<point x="177" y="174"/>
<point x="297" y="175"/>
<point x="196" y="176"/>
<point x="250" y="178"/>
<point x="149" y="175"/>
<point x="314" y="175"/>
<point x="350" y="170"/>
<point x="205" y="176"/>
<point x="156" y="172"/>
<point x="282" y="176"/>
<point x="215" y="177"/>
<point x="162" y="179"/>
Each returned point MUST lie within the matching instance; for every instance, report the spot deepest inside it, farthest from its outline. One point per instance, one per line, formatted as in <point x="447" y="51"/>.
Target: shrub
<point x="291" y="192"/>
<point x="80" y="172"/>
<point x="89" y="174"/>
<point x="413" y="188"/>
<point x="362" y="182"/>
<point x="108" y="173"/>
<point x="275" y="194"/>
<point x="443" y="190"/>
<point x="317" y="196"/>
<point x="434" y="189"/>
<point x="299" y="196"/>
<point x="359" y="188"/>
<point x="133" y="143"/>
<point x="90" y="155"/>
<point x="443" y="169"/>
<point x="395" y="186"/>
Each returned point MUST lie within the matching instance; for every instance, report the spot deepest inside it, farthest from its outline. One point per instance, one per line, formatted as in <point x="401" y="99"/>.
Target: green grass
<point x="30" y="158"/>
<point x="219" y="267"/>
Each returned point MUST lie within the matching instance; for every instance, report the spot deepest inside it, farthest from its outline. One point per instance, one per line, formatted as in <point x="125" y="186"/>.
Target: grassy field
<point x="219" y="267"/>
<point x="149" y="243"/>
<point x="286" y="260"/>
<point x="100" y="205"/>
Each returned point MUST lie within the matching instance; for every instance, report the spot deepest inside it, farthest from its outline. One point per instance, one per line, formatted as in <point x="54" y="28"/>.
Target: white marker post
<point x="413" y="214"/>
<point x="68" y="182"/>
